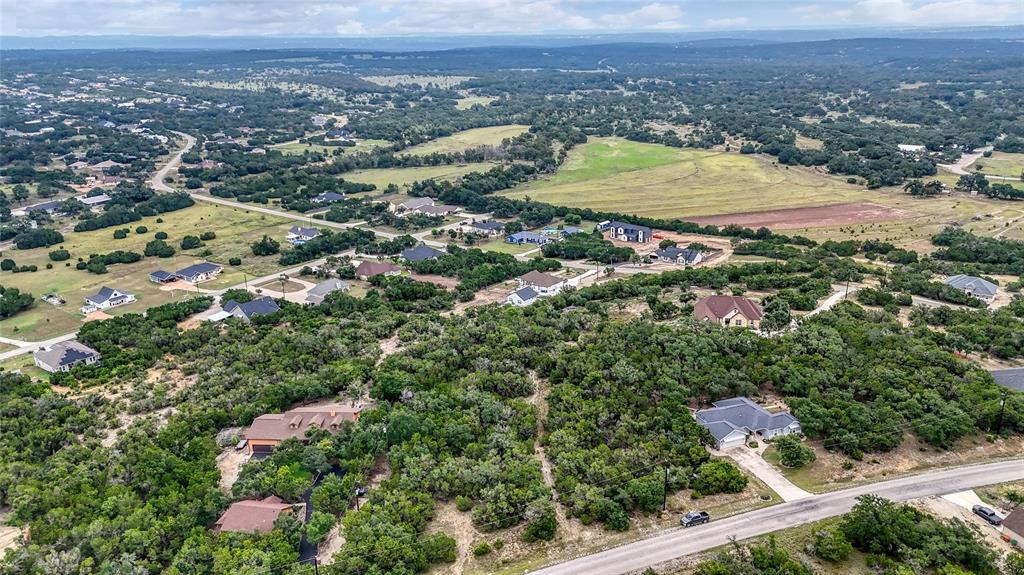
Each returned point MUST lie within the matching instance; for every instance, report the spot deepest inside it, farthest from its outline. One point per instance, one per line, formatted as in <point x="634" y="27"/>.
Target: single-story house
<point x="299" y="235"/>
<point x="414" y="204"/>
<point x="327" y="198"/>
<point x="675" y="255"/>
<point x="730" y="421"/>
<point x="106" y="298"/>
<point x="268" y="430"/>
<point x="342" y="135"/>
<point x="490" y="228"/>
<point x="318" y="293"/>
<point x="543" y="283"/>
<point x="437" y="209"/>
<point x="252" y="515"/>
<point x="79" y="165"/>
<point x="913" y="148"/>
<point x="1013" y="525"/>
<point x="972" y="286"/>
<point x="162" y="277"/>
<point x="64" y="355"/>
<point x="626" y="232"/>
<point x="522" y="297"/>
<point x="420" y="253"/>
<point x="48" y="207"/>
<point x="246" y="311"/>
<point x="527" y="238"/>
<point x="96" y="200"/>
<point x="200" y="272"/>
<point x="367" y="270"/>
<point x="728" y="310"/>
<point x="106" y="165"/>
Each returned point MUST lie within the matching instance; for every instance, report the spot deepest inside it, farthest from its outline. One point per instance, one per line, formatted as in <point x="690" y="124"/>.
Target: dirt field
<point x="824" y="216"/>
<point x="440" y="281"/>
<point x="9" y="536"/>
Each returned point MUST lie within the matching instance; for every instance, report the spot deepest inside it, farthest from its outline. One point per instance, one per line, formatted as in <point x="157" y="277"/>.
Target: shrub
<point x="793" y="452"/>
<point x="440" y="548"/>
<point x="831" y="545"/>
<point x="158" y="248"/>
<point x="541" y="529"/>
<point x="60" y="255"/>
<point x="207" y="236"/>
<point x="36" y="238"/>
<point x="159" y="220"/>
<point x="141" y="230"/>
<point x="463" y="503"/>
<point x="7" y="264"/>
<point x="320" y="524"/>
<point x="120" y="234"/>
<point x="482" y="549"/>
<point x="266" y="247"/>
<point x="719" y="476"/>
<point x="160" y="235"/>
<point x="190" y="242"/>
<point x="235" y="261"/>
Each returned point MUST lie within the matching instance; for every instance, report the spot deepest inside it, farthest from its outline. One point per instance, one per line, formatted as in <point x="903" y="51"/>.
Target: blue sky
<point x="439" y="17"/>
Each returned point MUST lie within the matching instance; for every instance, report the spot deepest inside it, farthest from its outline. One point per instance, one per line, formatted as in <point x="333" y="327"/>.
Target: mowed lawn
<point x="617" y="175"/>
<point x="466" y="139"/>
<point x="401" y="177"/>
<point x="236" y="229"/>
<point x="1001" y="164"/>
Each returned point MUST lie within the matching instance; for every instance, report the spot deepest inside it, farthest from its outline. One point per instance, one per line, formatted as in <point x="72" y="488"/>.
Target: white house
<point x="522" y="297"/>
<point x="544" y="284"/>
<point x="106" y="298"/>
<point x="64" y="355"/>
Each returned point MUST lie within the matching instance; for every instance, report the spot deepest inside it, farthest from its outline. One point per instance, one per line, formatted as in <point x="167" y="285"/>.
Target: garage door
<point x="731" y="442"/>
<point x="262" y="449"/>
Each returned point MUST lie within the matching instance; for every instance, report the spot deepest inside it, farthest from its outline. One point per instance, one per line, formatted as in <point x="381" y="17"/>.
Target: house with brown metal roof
<point x="367" y="270"/>
<point x="543" y="283"/>
<point x="728" y="310"/>
<point x="268" y="430"/>
<point x="1013" y="525"/>
<point x="252" y="515"/>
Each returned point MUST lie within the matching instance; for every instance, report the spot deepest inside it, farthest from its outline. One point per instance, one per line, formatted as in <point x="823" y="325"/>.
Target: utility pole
<point x="664" y="498"/>
<point x="1002" y="407"/>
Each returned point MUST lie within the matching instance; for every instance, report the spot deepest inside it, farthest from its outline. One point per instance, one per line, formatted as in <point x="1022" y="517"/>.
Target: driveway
<point x="752" y="462"/>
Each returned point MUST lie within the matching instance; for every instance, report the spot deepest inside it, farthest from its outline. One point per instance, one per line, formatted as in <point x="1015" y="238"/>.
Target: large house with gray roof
<point x="730" y="421"/>
<point x="973" y="286"/>
<point x="195" y="273"/>
<point x="247" y="311"/>
<point x="64" y="355"/>
<point x="626" y="232"/>
<point x="318" y="293"/>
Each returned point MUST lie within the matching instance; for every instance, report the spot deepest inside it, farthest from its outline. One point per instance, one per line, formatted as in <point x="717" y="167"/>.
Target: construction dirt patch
<point x="440" y="281"/>
<point x="815" y="217"/>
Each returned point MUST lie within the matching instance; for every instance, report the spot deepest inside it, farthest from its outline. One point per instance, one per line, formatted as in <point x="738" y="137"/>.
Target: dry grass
<point x="459" y="141"/>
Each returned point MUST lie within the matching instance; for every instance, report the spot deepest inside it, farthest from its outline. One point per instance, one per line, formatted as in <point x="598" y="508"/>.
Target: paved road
<point x="961" y="165"/>
<point x="1012" y="378"/>
<point x="157" y="181"/>
<point x="30" y="346"/>
<point x="752" y="461"/>
<point x="681" y="542"/>
<point x="839" y="293"/>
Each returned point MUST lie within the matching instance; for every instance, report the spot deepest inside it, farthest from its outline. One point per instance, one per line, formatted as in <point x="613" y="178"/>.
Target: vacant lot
<point x="297" y="148"/>
<point x="419" y="80"/>
<point x="825" y="216"/>
<point x="404" y="176"/>
<point x="1001" y="164"/>
<point x="460" y="141"/>
<point x="235" y="229"/>
<point x="470" y="101"/>
<point x="647" y="179"/>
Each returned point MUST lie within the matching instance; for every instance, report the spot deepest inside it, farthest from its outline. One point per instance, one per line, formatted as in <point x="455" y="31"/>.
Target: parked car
<point x="987" y="514"/>
<point x="694" y="518"/>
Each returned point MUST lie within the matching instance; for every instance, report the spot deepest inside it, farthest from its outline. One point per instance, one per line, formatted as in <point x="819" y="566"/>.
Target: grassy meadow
<point x="401" y="177"/>
<point x="236" y="229"/>
<point x="1001" y="164"/>
<point x="459" y="141"/>
<point x="652" y="180"/>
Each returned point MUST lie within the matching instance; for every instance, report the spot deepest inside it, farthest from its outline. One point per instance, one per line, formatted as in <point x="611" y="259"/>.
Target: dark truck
<point x="694" y="518"/>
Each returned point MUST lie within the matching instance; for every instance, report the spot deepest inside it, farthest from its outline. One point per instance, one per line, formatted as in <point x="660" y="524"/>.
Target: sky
<point x="463" y="17"/>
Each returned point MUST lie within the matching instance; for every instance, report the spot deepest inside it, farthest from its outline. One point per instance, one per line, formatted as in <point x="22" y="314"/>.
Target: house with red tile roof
<point x="729" y="310"/>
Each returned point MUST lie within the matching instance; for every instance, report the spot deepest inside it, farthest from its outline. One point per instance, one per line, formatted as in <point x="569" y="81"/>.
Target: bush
<point x="440" y="548"/>
<point x="541" y="529"/>
<point x="160" y="235"/>
<point x="482" y="549"/>
<point x="7" y="265"/>
<point x="718" y="476"/>
<point x="463" y="503"/>
<point x="266" y="247"/>
<point x="159" y="220"/>
<point x="320" y="524"/>
<point x="793" y="452"/>
<point x="190" y="242"/>
<point x="36" y="238"/>
<point x="141" y="230"/>
<point x="60" y="255"/>
<point x="158" y="248"/>
<point x="235" y="261"/>
<point x="831" y="545"/>
<point x="207" y="236"/>
<point x="120" y="234"/>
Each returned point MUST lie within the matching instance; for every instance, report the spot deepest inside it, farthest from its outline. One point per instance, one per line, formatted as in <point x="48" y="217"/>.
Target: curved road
<point x="157" y="181"/>
<point x="681" y="542"/>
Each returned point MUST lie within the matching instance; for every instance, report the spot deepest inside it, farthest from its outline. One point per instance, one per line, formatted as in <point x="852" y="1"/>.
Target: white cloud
<point x="655" y="16"/>
<point x="721" y="23"/>
<point x="930" y="13"/>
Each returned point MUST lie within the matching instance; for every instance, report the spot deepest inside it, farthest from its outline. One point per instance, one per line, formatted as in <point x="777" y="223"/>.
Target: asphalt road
<point x="1012" y="378"/>
<point x="157" y="181"/>
<point x="681" y="542"/>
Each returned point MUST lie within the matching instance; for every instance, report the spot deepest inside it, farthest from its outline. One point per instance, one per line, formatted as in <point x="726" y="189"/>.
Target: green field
<point x="470" y="101"/>
<point x="460" y="141"/>
<point x="297" y="148"/>
<point x="404" y="176"/>
<point x="235" y="229"/>
<point x="1001" y="164"/>
<point x="617" y="175"/>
